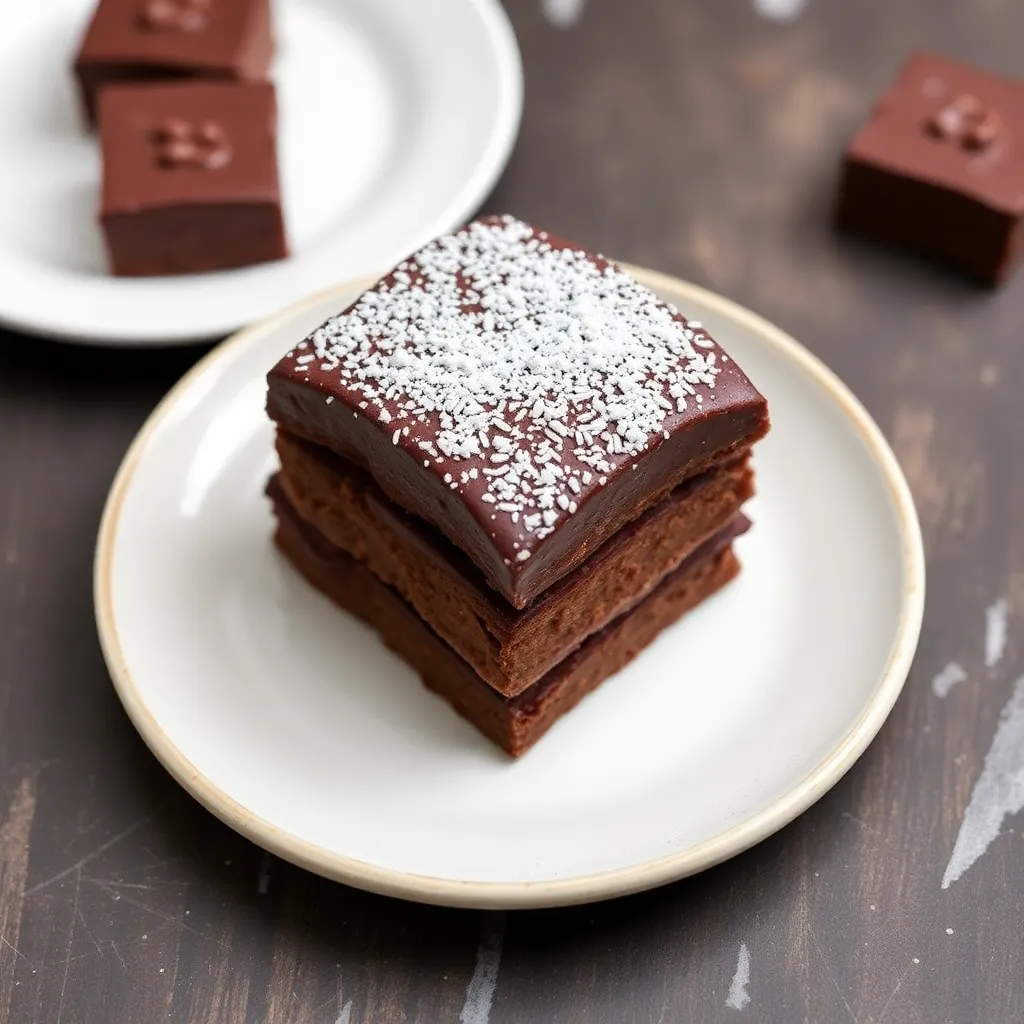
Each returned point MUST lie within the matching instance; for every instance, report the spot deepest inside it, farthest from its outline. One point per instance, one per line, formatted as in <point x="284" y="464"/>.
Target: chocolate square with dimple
<point x="526" y="397"/>
<point x="190" y="178"/>
<point x="139" y="40"/>
<point x="939" y="167"/>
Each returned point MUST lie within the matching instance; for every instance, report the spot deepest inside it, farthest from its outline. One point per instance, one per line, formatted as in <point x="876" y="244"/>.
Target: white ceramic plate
<point x="292" y="723"/>
<point x="397" y="117"/>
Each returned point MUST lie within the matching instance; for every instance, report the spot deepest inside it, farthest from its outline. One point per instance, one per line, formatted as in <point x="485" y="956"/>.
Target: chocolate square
<point x="526" y="397"/>
<point x="939" y="168"/>
<point x="190" y="179"/>
<point x="133" y="40"/>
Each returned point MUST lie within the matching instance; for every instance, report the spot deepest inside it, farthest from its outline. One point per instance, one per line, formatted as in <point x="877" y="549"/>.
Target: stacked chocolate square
<point x="188" y="129"/>
<point x="517" y="464"/>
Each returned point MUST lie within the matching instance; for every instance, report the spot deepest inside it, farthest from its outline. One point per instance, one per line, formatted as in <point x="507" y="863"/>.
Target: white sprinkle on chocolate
<point x="504" y="353"/>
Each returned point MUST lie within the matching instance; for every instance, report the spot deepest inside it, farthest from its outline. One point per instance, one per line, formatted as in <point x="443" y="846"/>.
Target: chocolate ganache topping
<point x="540" y="383"/>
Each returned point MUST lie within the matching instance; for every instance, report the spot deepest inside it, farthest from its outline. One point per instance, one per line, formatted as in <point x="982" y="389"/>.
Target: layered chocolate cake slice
<point x="517" y="464"/>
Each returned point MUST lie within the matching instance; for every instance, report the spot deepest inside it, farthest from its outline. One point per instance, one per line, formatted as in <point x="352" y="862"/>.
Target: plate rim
<point x="566" y="891"/>
<point x="491" y="163"/>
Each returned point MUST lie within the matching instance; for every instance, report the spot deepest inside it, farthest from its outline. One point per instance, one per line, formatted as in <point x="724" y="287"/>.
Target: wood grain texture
<point x="703" y="140"/>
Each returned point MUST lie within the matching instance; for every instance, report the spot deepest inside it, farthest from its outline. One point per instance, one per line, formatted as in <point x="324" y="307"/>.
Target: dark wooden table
<point x="702" y="139"/>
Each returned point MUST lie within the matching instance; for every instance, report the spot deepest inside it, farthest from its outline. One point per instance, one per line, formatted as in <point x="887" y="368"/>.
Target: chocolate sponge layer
<point x="510" y="649"/>
<point x="515" y="723"/>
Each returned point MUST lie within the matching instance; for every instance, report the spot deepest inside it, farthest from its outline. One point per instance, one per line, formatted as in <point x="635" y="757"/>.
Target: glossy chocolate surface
<point x="190" y="177"/>
<point x="953" y="125"/>
<point x="582" y="372"/>
<point x="132" y="40"/>
<point x="170" y="143"/>
<point x="939" y="166"/>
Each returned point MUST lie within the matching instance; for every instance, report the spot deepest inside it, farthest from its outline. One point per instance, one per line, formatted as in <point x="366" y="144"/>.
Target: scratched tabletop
<point x="703" y="139"/>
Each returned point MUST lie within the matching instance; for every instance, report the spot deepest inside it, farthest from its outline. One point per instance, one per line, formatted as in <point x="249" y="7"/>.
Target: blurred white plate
<point x="291" y="722"/>
<point x="397" y="118"/>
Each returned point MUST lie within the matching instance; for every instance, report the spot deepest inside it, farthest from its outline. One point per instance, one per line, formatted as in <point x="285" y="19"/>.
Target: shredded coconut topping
<point x="525" y="370"/>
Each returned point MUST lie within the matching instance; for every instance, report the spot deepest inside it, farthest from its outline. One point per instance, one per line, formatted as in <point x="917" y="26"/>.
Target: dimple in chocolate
<point x="965" y="122"/>
<point x="181" y="144"/>
<point x="175" y="15"/>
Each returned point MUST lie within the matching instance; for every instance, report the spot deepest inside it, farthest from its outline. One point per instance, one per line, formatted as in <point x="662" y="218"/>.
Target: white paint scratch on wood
<point x="563" y="13"/>
<point x="947" y="679"/>
<point x="263" y="880"/>
<point x="995" y="631"/>
<point x="998" y="793"/>
<point x="888" y="1002"/>
<point x="738" y="996"/>
<point x="70" y="944"/>
<point x="780" y="10"/>
<point x="15" y="839"/>
<point x="346" y="1014"/>
<point x="830" y="972"/>
<point x="89" y="857"/>
<point x="480" y="991"/>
